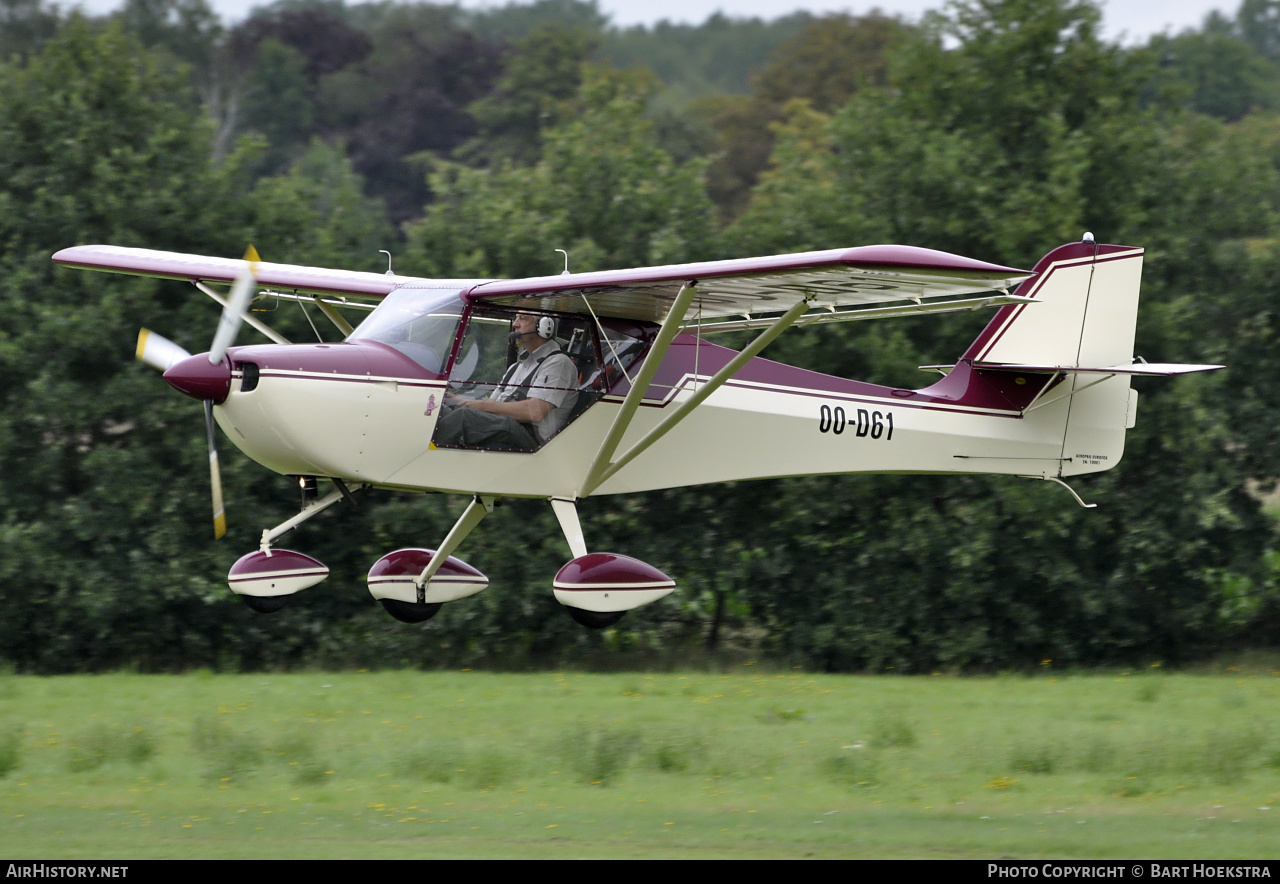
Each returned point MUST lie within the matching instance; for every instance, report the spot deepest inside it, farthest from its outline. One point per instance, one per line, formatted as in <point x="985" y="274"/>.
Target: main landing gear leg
<point x="312" y="509"/>
<point x="567" y="515"/>
<point x="402" y="580"/>
<point x="266" y="579"/>
<point x="471" y="516"/>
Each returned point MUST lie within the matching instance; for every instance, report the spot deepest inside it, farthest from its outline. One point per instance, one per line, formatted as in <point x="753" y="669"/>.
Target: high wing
<point x="746" y="287"/>
<point x="223" y="271"/>
<point x="743" y="287"/>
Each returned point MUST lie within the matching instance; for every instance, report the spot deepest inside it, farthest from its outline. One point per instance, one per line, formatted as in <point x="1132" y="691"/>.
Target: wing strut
<point x="601" y="472"/>
<point x="666" y="334"/>
<point x="256" y="323"/>
<point x="333" y="315"/>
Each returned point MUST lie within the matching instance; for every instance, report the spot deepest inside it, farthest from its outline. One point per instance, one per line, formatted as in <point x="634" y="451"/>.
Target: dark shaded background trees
<point x="477" y="143"/>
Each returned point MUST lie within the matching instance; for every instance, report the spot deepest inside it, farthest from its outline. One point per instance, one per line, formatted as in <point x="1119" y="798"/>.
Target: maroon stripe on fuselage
<point x="963" y="387"/>
<point x="323" y="378"/>
<point x="369" y="358"/>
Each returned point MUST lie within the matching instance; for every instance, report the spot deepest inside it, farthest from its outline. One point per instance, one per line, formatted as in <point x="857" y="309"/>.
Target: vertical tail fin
<point x="1085" y="317"/>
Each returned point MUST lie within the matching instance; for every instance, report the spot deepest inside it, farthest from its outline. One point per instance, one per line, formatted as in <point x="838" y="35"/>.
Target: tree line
<point x="477" y="143"/>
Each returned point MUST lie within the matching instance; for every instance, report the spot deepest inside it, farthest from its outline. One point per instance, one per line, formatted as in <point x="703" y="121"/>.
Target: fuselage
<point x="365" y="413"/>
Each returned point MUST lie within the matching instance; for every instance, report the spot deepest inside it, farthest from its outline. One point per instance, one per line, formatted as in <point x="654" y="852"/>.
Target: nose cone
<point x="200" y="379"/>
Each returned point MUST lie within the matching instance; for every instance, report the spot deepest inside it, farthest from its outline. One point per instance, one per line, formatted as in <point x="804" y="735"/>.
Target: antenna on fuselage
<point x="388" y="254"/>
<point x="564" y="272"/>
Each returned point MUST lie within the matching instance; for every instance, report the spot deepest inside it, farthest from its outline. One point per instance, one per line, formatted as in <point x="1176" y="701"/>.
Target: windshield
<point x="420" y="323"/>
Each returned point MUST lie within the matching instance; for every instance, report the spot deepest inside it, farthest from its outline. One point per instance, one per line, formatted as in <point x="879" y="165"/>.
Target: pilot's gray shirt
<point x="554" y="381"/>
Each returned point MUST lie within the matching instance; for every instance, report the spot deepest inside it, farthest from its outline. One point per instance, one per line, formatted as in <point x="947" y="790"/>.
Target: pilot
<point x="531" y="404"/>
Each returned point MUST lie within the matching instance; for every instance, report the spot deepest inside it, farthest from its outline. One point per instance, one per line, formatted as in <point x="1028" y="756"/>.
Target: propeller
<point x="162" y="354"/>
<point x="237" y="302"/>
<point x="215" y="476"/>
<point x="159" y="352"/>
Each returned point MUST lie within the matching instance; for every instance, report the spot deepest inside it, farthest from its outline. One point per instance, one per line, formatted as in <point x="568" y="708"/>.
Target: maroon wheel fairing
<point x="393" y="576"/>
<point x="606" y="582"/>
<point x="275" y="572"/>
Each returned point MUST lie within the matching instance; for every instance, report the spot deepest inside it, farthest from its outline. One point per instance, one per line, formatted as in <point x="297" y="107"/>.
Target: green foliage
<point x="188" y="29"/>
<point x="317" y="214"/>
<point x="823" y="66"/>
<point x="830" y="60"/>
<point x="602" y="755"/>
<point x="893" y="732"/>
<point x="25" y="26"/>
<point x="1217" y="74"/>
<point x="695" y="61"/>
<point x="1259" y="24"/>
<point x="1125" y="777"/>
<point x="10" y="749"/>
<point x="229" y="755"/>
<point x="518" y="20"/>
<point x="855" y="768"/>
<point x="543" y="72"/>
<point x="104" y="743"/>
<point x="638" y="208"/>
<point x="409" y="94"/>
<point x="277" y="101"/>
<point x="99" y="144"/>
<point x="1003" y="145"/>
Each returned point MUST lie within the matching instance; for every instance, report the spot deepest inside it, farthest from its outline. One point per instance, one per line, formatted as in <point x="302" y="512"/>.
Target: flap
<point x="749" y="286"/>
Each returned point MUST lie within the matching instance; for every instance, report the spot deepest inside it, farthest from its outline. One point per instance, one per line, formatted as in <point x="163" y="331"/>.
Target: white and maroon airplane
<point x="1043" y="392"/>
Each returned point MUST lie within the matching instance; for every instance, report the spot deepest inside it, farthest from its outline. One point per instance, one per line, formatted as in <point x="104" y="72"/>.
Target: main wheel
<point x="595" y="619"/>
<point x="410" y="612"/>
<point x="265" y="604"/>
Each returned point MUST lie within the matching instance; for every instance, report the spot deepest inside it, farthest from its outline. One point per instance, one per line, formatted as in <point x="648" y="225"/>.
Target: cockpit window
<point x="419" y="323"/>
<point x="509" y="356"/>
<point x="487" y="349"/>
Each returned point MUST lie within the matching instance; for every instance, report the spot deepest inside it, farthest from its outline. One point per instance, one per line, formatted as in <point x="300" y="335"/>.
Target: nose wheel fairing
<point x="265" y="580"/>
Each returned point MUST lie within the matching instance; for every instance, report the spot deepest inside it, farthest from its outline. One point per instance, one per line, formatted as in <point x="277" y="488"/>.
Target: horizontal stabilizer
<point x="1154" y="369"/>
<point x="1150" y="369"/>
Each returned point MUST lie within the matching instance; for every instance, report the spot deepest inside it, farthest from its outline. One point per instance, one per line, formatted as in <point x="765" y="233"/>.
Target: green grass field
<point x="564" y="764"/>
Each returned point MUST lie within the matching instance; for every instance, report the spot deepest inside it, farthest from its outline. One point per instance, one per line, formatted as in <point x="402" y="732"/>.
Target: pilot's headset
<point x="547" y="327"/>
